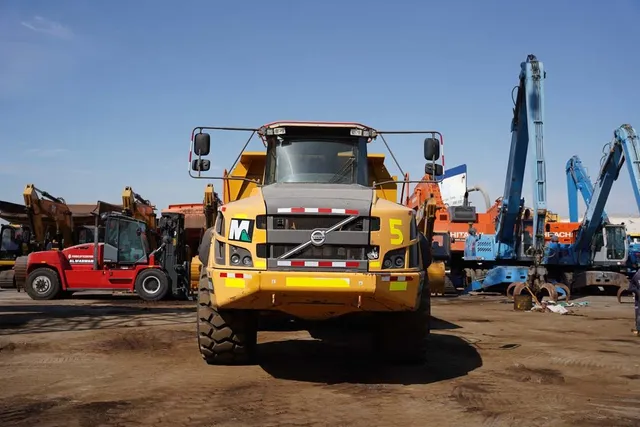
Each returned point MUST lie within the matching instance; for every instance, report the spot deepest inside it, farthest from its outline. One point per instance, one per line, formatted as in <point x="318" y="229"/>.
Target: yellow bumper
<point x="314" y="295"/>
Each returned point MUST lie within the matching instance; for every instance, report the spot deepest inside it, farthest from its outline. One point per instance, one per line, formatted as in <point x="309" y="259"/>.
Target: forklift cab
<point x="125" y="240"/>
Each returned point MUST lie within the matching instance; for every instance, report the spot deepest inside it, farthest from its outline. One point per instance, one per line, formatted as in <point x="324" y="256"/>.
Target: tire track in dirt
<point x="37" y="359"/>
<point x="592" y="360"/>
<point x="492" y="395"/>
<point x="14" y="413"/>
<point x="28" y="412"/>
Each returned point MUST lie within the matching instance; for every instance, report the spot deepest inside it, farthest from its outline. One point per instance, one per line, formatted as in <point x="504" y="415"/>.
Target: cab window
<point x="130" y="242"/>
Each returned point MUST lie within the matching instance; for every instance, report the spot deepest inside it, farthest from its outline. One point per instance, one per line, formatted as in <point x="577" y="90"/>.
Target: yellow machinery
<point x="425" y="218"/>
<point x="52" y="226"/>
<point x="312" y="229"/>
<point x="42" y="206"/>
<point x="14" y="240"/>
<point x="552" y="217"/>
<point x="14" y="243"/>
<point x="210" y="205"/>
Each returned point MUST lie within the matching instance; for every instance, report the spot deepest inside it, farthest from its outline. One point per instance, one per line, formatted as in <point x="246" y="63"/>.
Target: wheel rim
<point x="151" y="285"/>
<point x="41" y="285"/>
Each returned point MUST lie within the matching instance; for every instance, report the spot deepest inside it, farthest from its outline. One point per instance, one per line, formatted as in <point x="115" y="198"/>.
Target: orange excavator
<point x="454" y="220"/>
<point x="53" y="224"/>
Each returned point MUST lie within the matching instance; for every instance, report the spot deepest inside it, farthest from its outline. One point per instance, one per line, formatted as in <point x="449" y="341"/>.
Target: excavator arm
<point x="41" y="205"/>
<point x="593" y="217"/>
<point x="526" y="136"/>
<point x="578" y="180"/>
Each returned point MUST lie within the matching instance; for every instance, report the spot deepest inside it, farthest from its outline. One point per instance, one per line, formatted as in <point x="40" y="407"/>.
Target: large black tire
<point x="152" y="284"/>
<point x="43" y="283"/>
<point x="403" y="337"/>
<point x="225" y="337"/>
<point x="205" y="246"/>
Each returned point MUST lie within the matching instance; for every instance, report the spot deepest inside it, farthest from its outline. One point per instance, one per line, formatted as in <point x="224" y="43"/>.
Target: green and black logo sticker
<point x="241" y="230"/>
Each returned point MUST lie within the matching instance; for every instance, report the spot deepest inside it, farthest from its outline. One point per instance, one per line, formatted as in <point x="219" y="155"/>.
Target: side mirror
<point x="202" y="144"/>
<point x="200" y="165"/>
<point x="431" y="149"/>
<point x="433" y="169"/>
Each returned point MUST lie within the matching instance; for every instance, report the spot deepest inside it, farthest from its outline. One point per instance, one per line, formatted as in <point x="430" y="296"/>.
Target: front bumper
<point x="315" y="295"/>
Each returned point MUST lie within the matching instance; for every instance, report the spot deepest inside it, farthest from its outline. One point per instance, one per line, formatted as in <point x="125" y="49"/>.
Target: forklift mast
<point x="172" y="255"/>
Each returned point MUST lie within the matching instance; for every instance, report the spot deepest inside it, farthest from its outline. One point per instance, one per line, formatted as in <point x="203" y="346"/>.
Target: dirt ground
<point x="121" y="362"/>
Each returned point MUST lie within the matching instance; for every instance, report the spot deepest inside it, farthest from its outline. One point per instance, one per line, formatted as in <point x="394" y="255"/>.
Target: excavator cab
<point x="610" y="245"/>
<point x="441" y="246"/>
<point x="86" y="234"/>
<point x="12" y="242"/>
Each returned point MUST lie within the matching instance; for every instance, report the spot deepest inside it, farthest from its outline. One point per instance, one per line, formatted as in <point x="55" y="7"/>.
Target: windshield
<point x="339" y="160"/>
<point x="131" y="245"/>
<point x="616" y="239"/>
<point x="9" y="242"/>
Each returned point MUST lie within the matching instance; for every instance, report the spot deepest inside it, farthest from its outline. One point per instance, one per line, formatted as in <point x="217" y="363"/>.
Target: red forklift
<point x="119" y="259"/>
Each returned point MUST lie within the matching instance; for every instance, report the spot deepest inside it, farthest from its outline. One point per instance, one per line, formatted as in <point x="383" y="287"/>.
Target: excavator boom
<point x="41" y="205"/>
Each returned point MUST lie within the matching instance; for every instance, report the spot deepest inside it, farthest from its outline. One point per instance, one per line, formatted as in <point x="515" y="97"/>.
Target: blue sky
<point x="95" y="96"/>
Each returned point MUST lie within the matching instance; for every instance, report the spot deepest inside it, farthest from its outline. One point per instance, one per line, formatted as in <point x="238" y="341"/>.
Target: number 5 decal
<point x="395" y="227"/>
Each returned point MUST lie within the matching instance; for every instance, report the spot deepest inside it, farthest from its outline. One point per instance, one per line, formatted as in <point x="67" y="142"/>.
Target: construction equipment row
<point x="311" y="228"/>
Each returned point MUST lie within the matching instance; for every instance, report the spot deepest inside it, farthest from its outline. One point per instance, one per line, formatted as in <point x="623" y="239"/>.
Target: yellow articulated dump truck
<point x="312" y="228"/>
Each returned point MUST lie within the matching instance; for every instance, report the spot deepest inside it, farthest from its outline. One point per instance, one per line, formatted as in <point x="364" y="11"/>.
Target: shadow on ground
<point x="274" y="322"/>
<point x="47" y="317"/>
<point x="329" y="362"/>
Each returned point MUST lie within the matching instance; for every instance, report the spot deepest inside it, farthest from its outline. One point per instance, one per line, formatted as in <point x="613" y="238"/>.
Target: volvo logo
<point x="318" y="237"/>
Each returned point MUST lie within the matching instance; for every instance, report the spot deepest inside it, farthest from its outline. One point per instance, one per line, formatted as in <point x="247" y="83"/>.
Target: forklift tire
<point x="403" y="337"/>
<point x="43" y="283"/>
<point x="152" y="284"/>
<point x="225" y="337"/>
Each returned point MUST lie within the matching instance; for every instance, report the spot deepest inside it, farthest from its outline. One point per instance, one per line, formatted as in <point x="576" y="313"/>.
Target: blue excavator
<point x="514" y="254"/>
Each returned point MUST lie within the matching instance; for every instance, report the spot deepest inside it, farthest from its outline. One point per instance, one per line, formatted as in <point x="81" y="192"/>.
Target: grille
<point x="311" y="222"/>
<point x="334" y="252"/>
